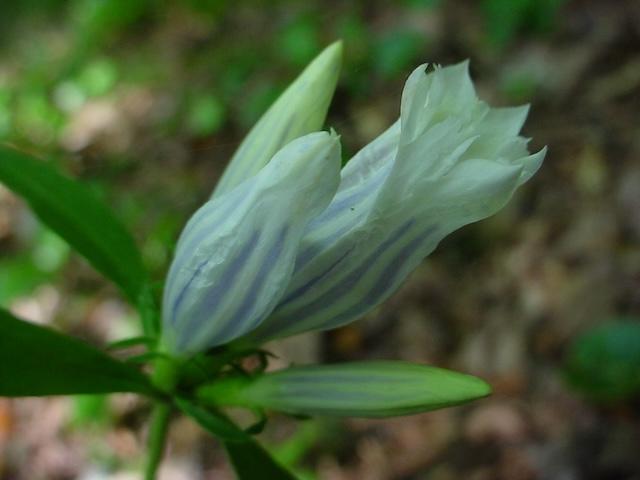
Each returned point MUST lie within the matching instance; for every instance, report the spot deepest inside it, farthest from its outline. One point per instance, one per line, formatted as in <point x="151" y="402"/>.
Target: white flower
<point x="236" y="255"/>
<point x="449" y="161"/>
<point x="283" y="252"/>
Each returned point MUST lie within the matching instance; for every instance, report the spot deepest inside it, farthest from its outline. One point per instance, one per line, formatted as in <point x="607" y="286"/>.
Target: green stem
<point x="157" y="438"/>
<point x="165" y="375"/>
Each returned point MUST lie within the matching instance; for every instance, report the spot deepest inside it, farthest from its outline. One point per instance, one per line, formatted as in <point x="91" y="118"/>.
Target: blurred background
<point x="146" y="101"/>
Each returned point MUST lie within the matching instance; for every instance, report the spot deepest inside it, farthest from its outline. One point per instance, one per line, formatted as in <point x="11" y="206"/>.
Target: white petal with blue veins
<point x="449" y="161"/>
<point x="236" y="255"/>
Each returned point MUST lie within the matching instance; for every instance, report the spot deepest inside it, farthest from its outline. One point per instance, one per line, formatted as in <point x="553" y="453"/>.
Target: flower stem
<point x="157" y="438"/>
<point x="165" y="375"/>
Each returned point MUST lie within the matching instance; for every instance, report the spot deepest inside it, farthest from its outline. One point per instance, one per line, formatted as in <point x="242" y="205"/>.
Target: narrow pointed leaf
<point x="37" y="361"/>
<point x="215" y="424"/>
<point x="360" y="389"/>
<point x="249" y="459"/>
<point x="71" y="210"/>
<point x="300" y="110"/>
<point x="131" y="342"/>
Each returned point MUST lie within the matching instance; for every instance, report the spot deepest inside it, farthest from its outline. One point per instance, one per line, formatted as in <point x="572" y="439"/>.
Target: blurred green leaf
<point x="72" y="211"/>
<point x="37" y="361"/>
<point x="96" y="19"/>
<point x="359" y="389"/>
<point x="205" y="116"/>
<point x="36" y="118"/>
<point x="5" y="112"/>
<point x="423" y="3"/>
<point x="299" y="41"/>
<point x="21" y="273"/>
<point x="397" y="52"/>
<point x="544" y="14"/>
<point x="293" y="450"/>
<point x="250" y="460"/>
<point x="98" y="77"/>
<point x="90" y="410"/>
<point x="604" y="362"/>
<point x="50" y="251"/>
<point x="213" y="423"/>
<point x="19" y="276"/>
<point x="505" y="18"/>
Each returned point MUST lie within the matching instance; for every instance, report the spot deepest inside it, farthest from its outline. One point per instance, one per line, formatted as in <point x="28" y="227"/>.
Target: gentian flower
<point x="299" y="246"/>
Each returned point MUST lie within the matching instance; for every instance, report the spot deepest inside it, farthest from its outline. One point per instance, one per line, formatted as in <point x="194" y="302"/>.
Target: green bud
<point x="359" y="389"/>
<point x="300" y="110"/>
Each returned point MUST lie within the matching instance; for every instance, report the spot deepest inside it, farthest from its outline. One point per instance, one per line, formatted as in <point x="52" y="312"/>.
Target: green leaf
<point x="77" y="215"/>
<point x="132" y="342"/>
<point x="37" y="361"/>
<point x="359" y="389"/>
<point x="249" y="459"/>
<point x="604" y="362"/>
<point x="213" y="423"/>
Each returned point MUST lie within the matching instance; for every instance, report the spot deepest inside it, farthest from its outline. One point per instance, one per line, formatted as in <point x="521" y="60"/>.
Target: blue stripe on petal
<point x="309" y="307"/>
<point x="248" y="303"/>
<point x="183" y="291"/>
<point x="385" y="285"/>
<point x="224" y="285"/>
<point x="315" y="280"/>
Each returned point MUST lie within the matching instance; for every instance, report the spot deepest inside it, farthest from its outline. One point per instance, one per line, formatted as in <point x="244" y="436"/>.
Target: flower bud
<point x="235" y="257"/>
<point x="301" y="109"/>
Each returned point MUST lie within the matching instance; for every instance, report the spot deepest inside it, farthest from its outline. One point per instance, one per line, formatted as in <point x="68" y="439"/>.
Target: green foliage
<point x="36" y="107"/>
<point x="423" y="3"/>
<point x="299" y="41"/>
<point x="359" y="389"/>
<point x="506" y="18"/>
<point x="98" y="77"/>
<point x="206" y="115"/>
<point x="90" y="410"/>
<point x="212" y="422"/>
<point x="250" y="460"/>
<point x="37" y="361"/>
<point x="19" y="276"/>
<point x="604" y="362"/>
<point x="96" y="20"/>
<point x="77" y="215"/>
<point x="293" y="450"/>
<point x="397" y="51"/>
<point x="21" y="273"/>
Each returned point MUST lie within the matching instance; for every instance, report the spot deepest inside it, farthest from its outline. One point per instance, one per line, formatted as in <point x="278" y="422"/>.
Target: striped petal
<point x="437" y="169"/>
<point x="359" y="389"/>
<point x="301" y="109"/>
<point x="236" y="254"/>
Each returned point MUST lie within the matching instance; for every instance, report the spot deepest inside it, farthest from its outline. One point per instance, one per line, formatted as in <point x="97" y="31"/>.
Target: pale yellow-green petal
<point x="301" y="109"/>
